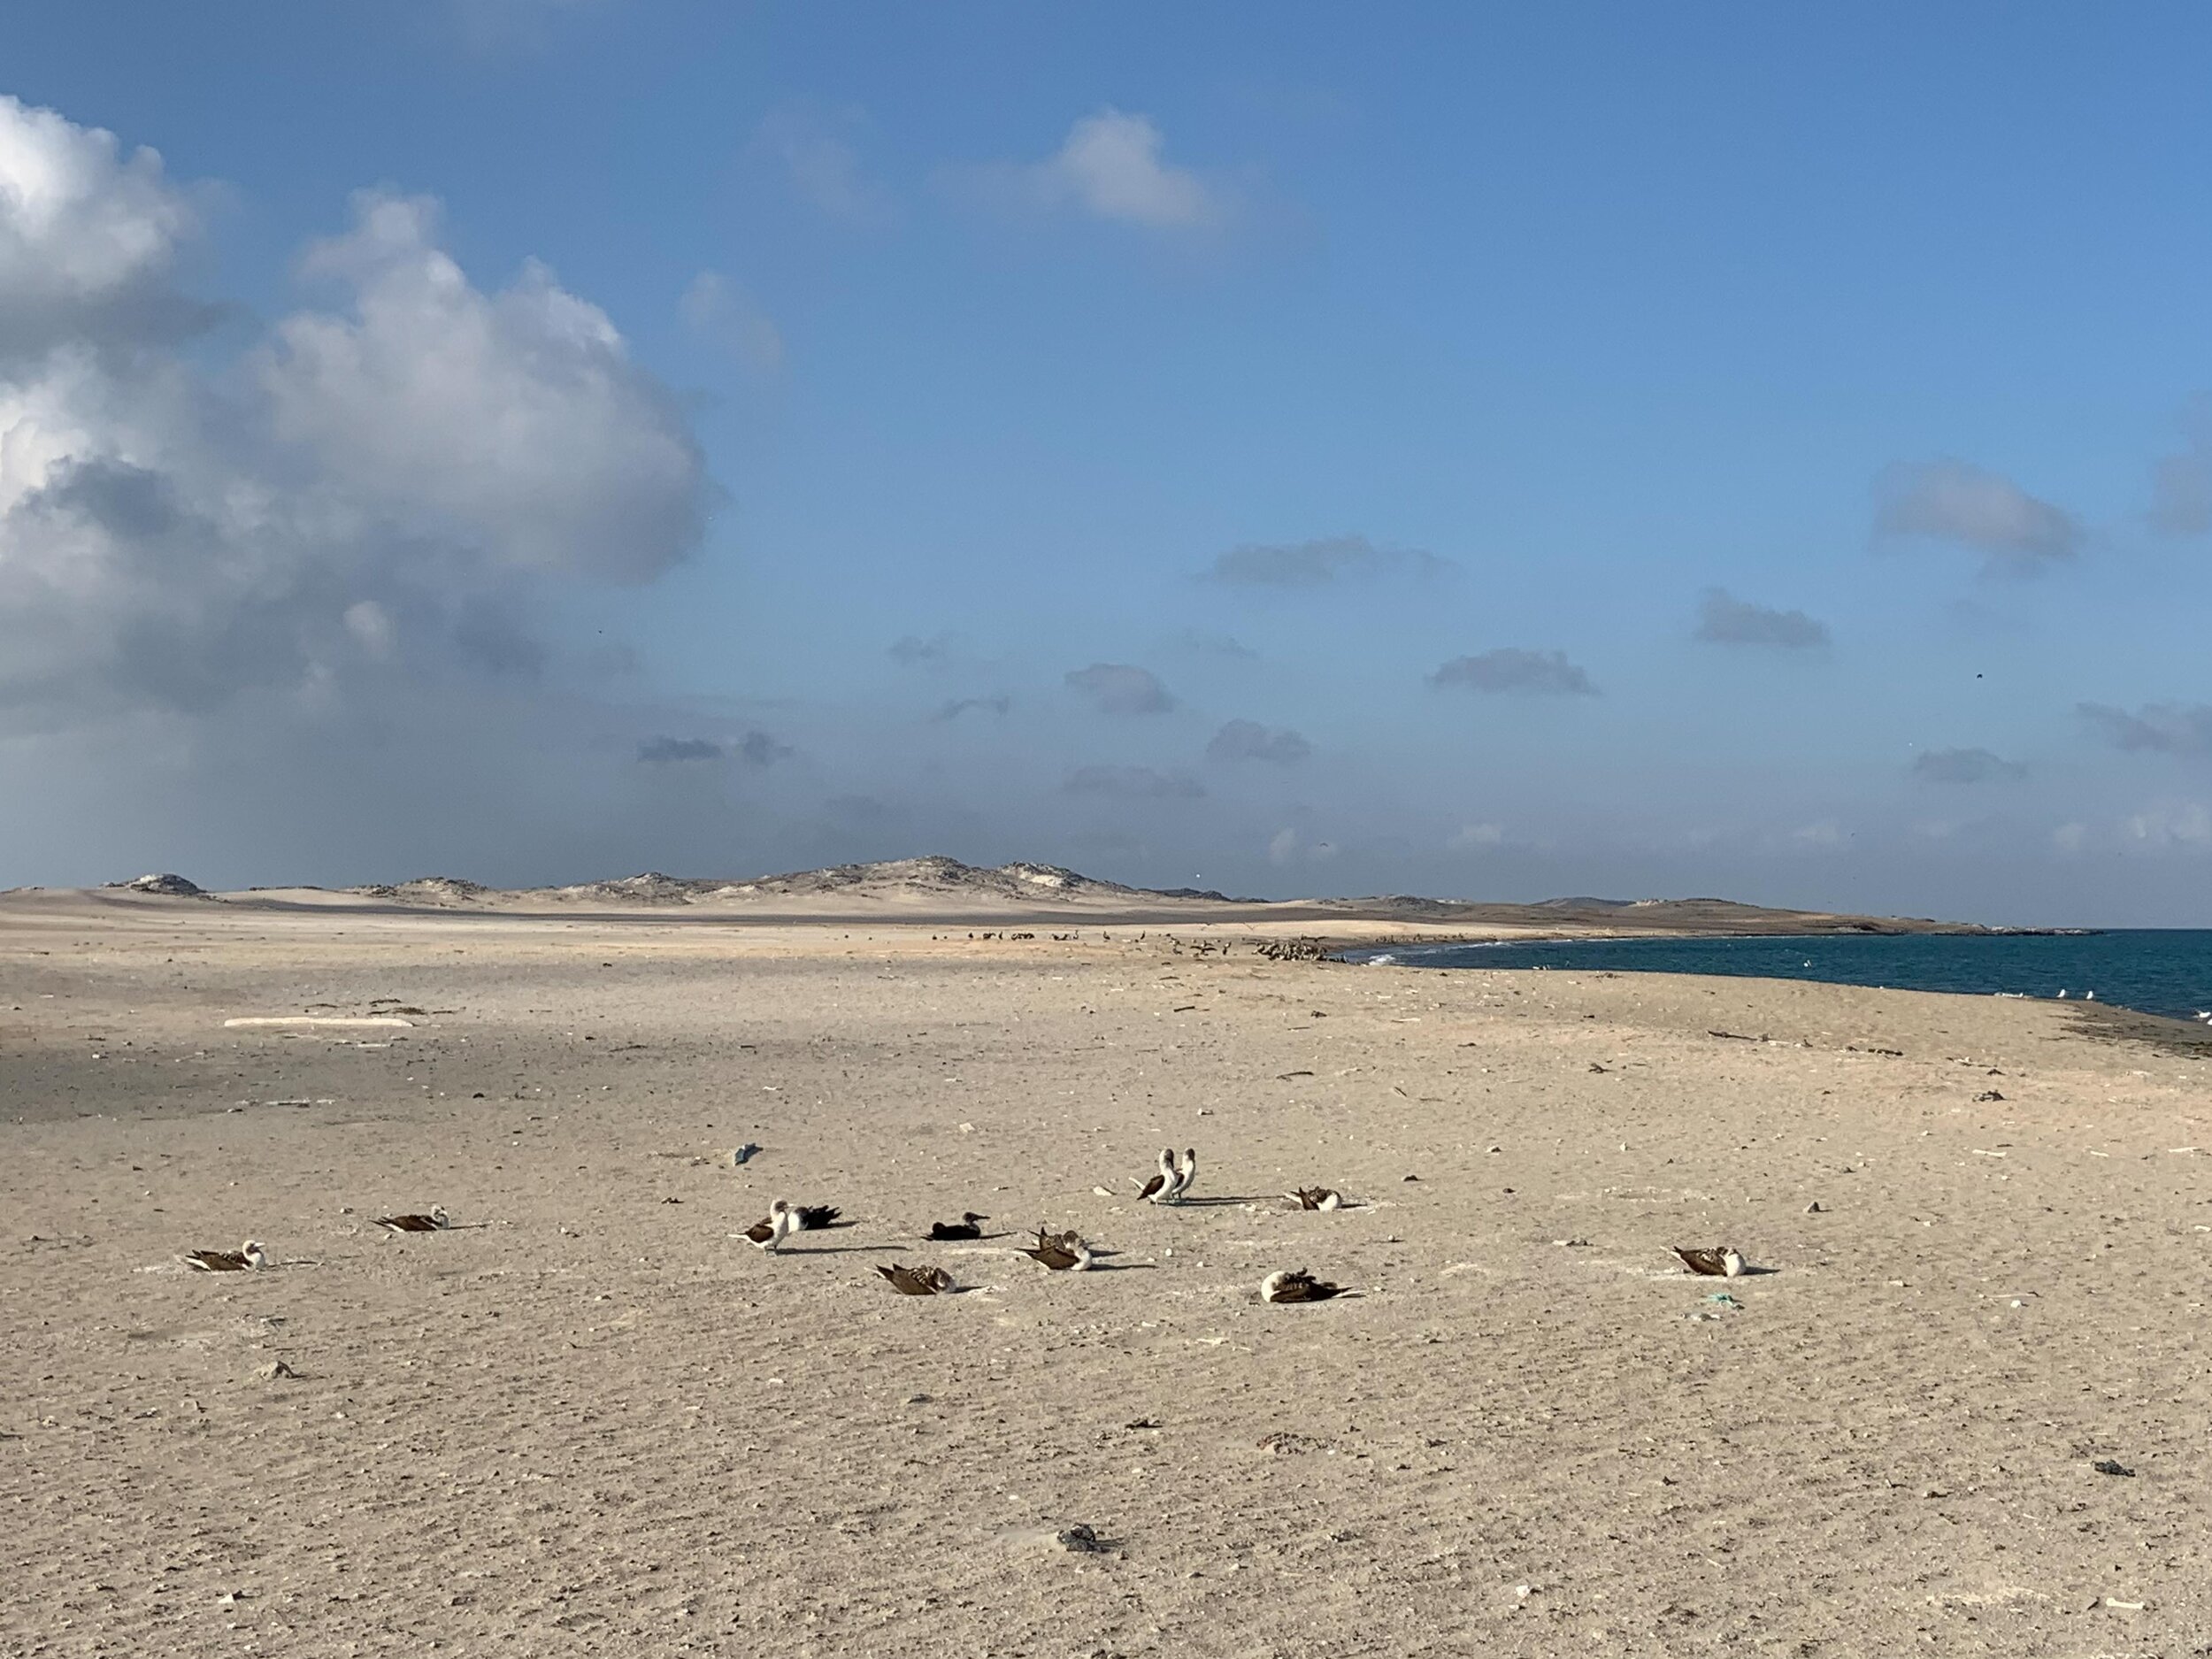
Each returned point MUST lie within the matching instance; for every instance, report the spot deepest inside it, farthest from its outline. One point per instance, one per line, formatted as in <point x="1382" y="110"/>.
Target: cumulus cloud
<point x="1955" y="500"/>
<point x="1317" y="563"/>
<point x="1722" y="619"/>
<point x="1134" y="783"/>
<point x="1111" y="167"/>
<point x="2163" y="729"/>
<point x="88" y="237"/>
<point x="1121" y="688"/>
<point x="722" y="311"/>
<point x="1963" y="765"/>
<point x="959" y="706"/>
<point x="1511" y="669"/>
<point x="2185" y="825"/>
<point x="1249" y="740"/>
<point x="1475" y="837"/>
<point x="383" y="492"/>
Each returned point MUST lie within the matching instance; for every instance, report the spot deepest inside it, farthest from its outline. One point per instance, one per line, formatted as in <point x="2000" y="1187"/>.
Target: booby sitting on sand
<point x="1316" y="1198"/>
<point x="1155" y="1191"/>
<point x="436" y="1221"/>
<point x="917" y="1281"/>
<point x="1299" y="1286"/>
<point x="248" y="1257"/>
<point x="814" y="1218"/>
<point x="769" y="1235"/>
<point x="1062" y="1252"/>
<point x="969" y="1226"/>
<point x="1725" y="1263"/>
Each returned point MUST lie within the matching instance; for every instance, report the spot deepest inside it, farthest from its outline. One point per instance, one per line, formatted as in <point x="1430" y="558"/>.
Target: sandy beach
<point x="588" y="1420"/>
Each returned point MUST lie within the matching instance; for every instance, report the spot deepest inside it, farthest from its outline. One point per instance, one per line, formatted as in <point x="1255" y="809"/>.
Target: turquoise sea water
<point x="2158" y="971"/>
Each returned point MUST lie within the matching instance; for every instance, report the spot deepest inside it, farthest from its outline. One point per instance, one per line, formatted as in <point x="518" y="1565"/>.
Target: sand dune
<point x="586" y="1419"/>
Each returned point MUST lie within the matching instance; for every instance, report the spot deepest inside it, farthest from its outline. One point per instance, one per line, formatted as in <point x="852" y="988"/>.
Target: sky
<point x="1486" y="451"/>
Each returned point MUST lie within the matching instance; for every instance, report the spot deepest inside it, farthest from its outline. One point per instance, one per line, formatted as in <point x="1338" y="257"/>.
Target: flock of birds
<point x="1067" y="1252"/>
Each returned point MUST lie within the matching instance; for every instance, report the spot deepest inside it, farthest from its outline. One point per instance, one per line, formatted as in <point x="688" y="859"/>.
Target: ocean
<point x="2155" y="970"/>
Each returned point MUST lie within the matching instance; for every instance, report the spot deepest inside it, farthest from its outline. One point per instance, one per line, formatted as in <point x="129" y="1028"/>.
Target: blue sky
<point x="1496" y="451"/>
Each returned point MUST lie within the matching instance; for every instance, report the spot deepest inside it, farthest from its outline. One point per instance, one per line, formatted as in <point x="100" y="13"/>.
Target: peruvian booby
<point x="1062" y="1252"/>
<point x="1316" y="1198"/>
<point x="1725" y="1263"/>
<point x="1184" y="1176"/>
<point x="814" y="1218"/>
<point x="1299" y="1286"/>
<point x="436" y="1221"/>
<point x="769" y="1235"/>
<point x="917" y="1281"/>
<point x="1155" y="1191"/>
<point x="248" y="1257"/>
<point x="969" y="1226"/>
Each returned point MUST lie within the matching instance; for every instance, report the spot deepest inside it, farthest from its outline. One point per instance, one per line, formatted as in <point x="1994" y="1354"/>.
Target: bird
<point x="1184" y="1177"/>
<point x="1062" y="1252"/>
<point x="1299" y="1286"/>
<point x="1725" y="1263"/>
<point x="814" y="1218"/>
<point x="1156" y="1190"/>
<point x="967" y="1228"/>
<point x="917" y="1281"/>
<point x="1316" y="1198"/>
<point x="769" y="1235"/>
<point x="248" y="1257"/>
<point x="740" y="1156"/>
<point x="436" y="1221"/>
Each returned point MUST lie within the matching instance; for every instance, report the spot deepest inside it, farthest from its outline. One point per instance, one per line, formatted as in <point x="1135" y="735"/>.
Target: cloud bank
<point x="1317" y="563"/>
<point x="1121" y="688"/>
<point x="1547" y="674"/>
<point x="1963" y="765"/>
<point x="1724" y="620"/>
<point x="1953" y="501"/>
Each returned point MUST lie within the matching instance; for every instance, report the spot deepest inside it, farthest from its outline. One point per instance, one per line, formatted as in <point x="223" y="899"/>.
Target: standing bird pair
<point x="1172" y="1182"/>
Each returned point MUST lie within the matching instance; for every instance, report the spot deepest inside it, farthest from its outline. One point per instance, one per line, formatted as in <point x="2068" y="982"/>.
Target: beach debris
<point x="1724" y="1299"/>
<point x="1815" y="1209"/>
<point x="814" y="1218"/>
<point x="276" y="1370"/>
<point x="1725" y="1263"/>
<point x="917" y="1281"/>
<point x="1283" y="1443"/>
<point x="768" y="1235"/>
<point x="969" y="1226"/>
<point x="742" y="1156"/>
<point x="249" y="1256"/>
<point x="1988" y="1094"/>
<point x="2109" y="1466"/>
<point x="1284" y="1077"/>
<point x="1062" y="1252"/>
<point x="1316" y="1198"/>
<point x="1572" y="1244"/>
<point x="1738" y="1036"/>
<point x="310" y="1022"/>
<point x="1080" y="1539"/>
<point x="1156" y="1190"/>
<point x="1285" y="1286"/>
<point x="436" y="1221"/>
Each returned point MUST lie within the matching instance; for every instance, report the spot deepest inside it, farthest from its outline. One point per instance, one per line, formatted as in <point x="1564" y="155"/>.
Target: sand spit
<point x="1958" y="1407"/>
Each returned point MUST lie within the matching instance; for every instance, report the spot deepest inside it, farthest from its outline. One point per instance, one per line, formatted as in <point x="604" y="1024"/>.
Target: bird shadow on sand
<point x="842" y="1249"/>
<point x="1214" y="1203"/>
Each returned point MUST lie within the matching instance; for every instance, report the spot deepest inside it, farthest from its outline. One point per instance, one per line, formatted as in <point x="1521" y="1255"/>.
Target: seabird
<point x="1316" y="1198"/>
<point x="967" y="1228"/>
<point x="814" y="1218"/>
<point x="782" y="1221"/>
<point x="1062" y="1252"/>
<point x="1725" y="1263"/>
<point x="1156" y="1190"/>
<point x="917" y="1281"/>
<point x="1184" y="1177"/>
<point x="1299" y="1286"/>
<point x="248" y="1256"/>
<point x="436" y="1221"/>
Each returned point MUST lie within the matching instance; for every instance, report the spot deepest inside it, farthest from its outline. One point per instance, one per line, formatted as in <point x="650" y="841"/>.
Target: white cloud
<point x="822" y="165"/>
<point x="87" y="236"/>
<point x="384" y="492"/>
<point x="1121" y="688"/>
<point x="2070" y="838"/>
<point x="513" y="422"/>
<point x="1955" y="500"/>
<point x="1111" y="167"/>
<point x="1722" y="619"/>
<point x="1474" y="837"/>
<point x="1249" y="740"/>
<point x="2186" y="825"/>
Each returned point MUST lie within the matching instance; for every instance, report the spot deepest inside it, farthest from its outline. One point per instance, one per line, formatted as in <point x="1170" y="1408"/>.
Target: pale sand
<point x="588" y="1421"/>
